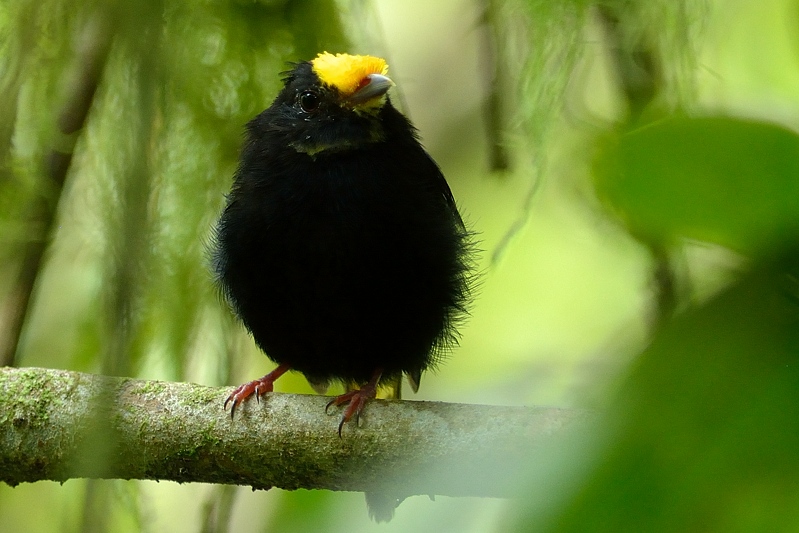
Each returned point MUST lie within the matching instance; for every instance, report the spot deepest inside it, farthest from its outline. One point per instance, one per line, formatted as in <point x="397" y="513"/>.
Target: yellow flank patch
<point x="346" y="72"/>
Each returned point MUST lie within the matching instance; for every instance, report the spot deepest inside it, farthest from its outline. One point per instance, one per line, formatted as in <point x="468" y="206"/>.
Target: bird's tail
<point x="381" y="505"/>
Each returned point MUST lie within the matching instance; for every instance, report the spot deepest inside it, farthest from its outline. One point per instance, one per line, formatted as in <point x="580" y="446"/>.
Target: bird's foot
<point x="258" y="387"/>
<point x="355" y="400"/>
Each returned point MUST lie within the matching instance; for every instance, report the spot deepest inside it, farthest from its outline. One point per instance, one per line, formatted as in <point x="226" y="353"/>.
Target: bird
<point x="340" y="247"/>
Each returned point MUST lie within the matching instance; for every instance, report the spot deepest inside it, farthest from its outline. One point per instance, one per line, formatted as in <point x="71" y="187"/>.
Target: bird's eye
<point x="309" y="101"/>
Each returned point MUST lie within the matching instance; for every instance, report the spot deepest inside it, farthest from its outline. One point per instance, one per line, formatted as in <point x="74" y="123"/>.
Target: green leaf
<point x="729" y="181"/>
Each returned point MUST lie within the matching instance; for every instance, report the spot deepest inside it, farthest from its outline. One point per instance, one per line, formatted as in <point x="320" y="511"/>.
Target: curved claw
<point x="331" y="402"/>
<point x="235" y="400"/>
<point x="240" y="394"/>
<point x="355" y="400"/>
<point x="257" y="387"/>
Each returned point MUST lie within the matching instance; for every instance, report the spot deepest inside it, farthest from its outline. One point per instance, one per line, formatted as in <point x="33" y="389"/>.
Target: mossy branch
<point x="57" y="425"/>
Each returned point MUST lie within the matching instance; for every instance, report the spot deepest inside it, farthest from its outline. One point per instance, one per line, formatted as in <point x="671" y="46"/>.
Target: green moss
<point x="149" y="387"/>
<point x="200" y="395"/>
<point x="32" y="394"/>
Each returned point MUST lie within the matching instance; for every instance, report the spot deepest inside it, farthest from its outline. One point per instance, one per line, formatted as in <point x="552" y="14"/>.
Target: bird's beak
<point x="373" y="86"/>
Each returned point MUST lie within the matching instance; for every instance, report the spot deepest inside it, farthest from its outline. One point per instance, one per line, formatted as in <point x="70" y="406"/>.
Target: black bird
<point x="341" y="248"/>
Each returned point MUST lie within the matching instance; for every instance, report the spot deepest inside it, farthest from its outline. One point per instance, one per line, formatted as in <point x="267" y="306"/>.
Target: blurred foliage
<point x="634" y="133"/>
<point x="705" y="431"/>
<point x="717" y="179"/>
<point x="702" y="433"/>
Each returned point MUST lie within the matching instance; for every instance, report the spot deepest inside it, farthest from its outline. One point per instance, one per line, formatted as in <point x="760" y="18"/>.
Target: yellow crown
<point x="346" y="72"/>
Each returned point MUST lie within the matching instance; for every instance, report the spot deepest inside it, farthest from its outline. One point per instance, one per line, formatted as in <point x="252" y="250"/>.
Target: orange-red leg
<point x="257" y="387"/>
<point x="356" y="400"/>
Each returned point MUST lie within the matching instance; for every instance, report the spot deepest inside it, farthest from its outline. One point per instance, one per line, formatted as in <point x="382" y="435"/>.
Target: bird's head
<point x="332" y="103"/>
<point x="359" y="82"/>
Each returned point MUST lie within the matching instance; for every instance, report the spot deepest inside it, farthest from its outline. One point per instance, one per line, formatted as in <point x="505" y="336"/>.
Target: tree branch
<point x="57" y="425"/>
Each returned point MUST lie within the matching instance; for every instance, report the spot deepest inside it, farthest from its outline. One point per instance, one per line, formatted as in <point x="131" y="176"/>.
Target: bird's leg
<point x="356" y="400"/>
<point x="258" y="386"/>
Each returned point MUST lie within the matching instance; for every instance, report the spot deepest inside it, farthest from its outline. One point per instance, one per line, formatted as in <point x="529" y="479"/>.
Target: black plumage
<point x="341" y="247"/>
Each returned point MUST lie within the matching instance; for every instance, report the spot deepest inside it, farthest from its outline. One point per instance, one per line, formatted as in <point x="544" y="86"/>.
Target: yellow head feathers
<point x="346" y="72"/>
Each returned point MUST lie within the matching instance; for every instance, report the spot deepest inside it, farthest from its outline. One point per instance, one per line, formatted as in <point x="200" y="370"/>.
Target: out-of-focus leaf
<point x="706" y="428"/>
<point x="730" y="181"/>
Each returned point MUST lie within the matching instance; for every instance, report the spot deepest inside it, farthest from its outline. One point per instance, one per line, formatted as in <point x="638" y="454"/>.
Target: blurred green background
<point x="631" y="168"/>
